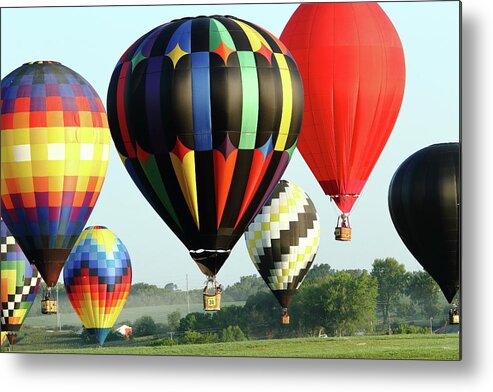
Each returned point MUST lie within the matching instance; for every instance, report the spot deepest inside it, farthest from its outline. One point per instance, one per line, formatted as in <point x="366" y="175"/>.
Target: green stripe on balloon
<point x="249" y="115"/>
<point x="217" y="34"/>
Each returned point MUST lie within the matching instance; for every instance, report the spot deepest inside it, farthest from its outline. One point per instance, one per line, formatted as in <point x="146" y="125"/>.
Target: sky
<point x="90" y="41"/>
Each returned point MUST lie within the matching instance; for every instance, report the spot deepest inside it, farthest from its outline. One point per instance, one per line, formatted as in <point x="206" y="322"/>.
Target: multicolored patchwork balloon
<point x="98" y="277"/>
<point x="283" y="240"/>
<point x="205" y="113"/>
<point x="19" y="284"/>
<point x="55" y="149"/>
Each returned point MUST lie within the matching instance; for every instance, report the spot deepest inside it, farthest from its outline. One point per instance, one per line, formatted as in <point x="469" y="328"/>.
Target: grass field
<point x="424" y="347"/>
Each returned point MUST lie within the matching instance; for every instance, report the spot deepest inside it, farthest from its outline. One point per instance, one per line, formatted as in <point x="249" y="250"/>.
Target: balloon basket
<point x="342" y="233"/>
<point x="212" y="301"/>
<point x="49" y="306"/>
<point x="453" y="317"/>
<point x="285" y="316"/>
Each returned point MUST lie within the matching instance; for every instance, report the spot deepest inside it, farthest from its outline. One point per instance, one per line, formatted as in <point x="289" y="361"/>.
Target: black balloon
<point x="424" y="203"/>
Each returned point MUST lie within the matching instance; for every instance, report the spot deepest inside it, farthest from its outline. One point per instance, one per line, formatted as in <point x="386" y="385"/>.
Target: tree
<point x="424" y="291"/>
<point x="174" y="320"/>
<point x="144" y="326"/>
<point x="247" y="286"/>
<point x="170" y="286"/>
<point x="232" y="334"/>
<point x="391" y="277"/>
<point x="188" y="323"/>
<point x="318" y="271"/>
<point x="341" y="303"/>
<point x="196" y="321"/>
<point x="230" y="315"/>
<point x="262" y="315"/>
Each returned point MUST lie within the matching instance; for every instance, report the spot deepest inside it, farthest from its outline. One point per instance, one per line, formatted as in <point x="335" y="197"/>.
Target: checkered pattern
<point x="283" y="239"/>
<point x="97" y="277"/>
<point x="19" y="283"/>
<point x="54" y="149"/>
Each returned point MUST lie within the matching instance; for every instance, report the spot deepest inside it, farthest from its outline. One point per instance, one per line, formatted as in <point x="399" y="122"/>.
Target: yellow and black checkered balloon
<point x="283" y="239"/>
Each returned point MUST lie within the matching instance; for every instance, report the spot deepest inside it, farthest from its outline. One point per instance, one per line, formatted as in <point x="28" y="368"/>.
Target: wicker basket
<point x="49" y="306"/>
<point x="212" y="302"/>
<point x="454" y="319"/>
<point x="342" y="233"/>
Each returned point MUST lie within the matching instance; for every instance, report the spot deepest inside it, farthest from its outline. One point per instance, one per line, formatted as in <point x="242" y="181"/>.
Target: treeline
<point x="329" y="301"/>
<point x="387" y="299"/>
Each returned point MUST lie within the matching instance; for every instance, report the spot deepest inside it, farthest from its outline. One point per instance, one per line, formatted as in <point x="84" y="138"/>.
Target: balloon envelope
<point x="424" y="203"/>
<point x="55" y="148"/>
<point x="19" y="283"/>
<point x="205" y="113"/>
<point x="3" y="337"/>
<point x="352" y="65"/>
<point x="283" y="239"/>
<point x="98" y="277"/>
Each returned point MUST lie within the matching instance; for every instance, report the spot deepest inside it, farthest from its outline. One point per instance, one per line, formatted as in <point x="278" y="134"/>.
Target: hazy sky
<point x="90" y="40"/>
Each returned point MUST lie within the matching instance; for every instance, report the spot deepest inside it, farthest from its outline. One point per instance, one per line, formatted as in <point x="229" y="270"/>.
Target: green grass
<point x="158" y="313"/>
<point x="425" y="347"/>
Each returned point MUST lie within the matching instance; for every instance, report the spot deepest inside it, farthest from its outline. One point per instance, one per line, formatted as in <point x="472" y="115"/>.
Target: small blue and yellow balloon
<point x="98" y="277"/>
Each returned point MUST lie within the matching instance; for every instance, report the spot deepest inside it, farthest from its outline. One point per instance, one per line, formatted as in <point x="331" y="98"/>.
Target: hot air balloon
<point x="352" y="65"/>
<point x="98" y="277"/>
<point x="205" y="113"/>
<point x="19" y="284"/>
<point x="3" y="337"/>
<point x="424" y="203"/>
<point x="283" y="241"/>
<point x="55" y="149"/>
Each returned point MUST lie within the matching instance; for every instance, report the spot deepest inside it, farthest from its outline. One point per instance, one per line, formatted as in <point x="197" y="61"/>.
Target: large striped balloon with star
<point x="283" y="239"/>
<point x="205" y="113"/>
<point x="98" y="277"/>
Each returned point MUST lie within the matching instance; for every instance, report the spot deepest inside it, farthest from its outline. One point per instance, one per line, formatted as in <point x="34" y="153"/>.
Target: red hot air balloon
<point x="351" y="62"/>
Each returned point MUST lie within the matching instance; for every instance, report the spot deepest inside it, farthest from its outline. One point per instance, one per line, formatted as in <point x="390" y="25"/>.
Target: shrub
<point x="144" y="326"/>
<point x="410" y="329"/>
<point x="232" y="334"/>
<point x="193" y="337"/>
<point x="164" y="342"/>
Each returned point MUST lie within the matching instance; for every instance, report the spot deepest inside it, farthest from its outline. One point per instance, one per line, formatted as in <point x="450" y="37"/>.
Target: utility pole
<point x="188" y="297"/>
<point x="58" y="311"/>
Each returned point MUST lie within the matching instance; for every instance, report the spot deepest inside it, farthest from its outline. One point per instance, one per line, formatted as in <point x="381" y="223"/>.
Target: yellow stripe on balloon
<point x="287" y="102"/>
<point x="185" y="173"/>
<point x="256" y="40"/>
